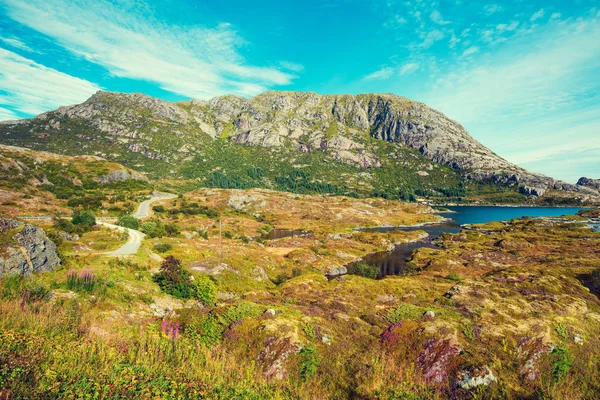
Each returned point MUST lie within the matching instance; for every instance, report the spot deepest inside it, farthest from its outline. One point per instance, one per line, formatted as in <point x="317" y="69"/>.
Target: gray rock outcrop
<point x="589" y="183"/>
<point x="28" y="249"/>
<point x="121" y="175"/>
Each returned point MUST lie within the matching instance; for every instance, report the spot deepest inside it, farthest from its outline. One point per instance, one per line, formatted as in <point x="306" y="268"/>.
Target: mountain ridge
<point x="341" y="128"/>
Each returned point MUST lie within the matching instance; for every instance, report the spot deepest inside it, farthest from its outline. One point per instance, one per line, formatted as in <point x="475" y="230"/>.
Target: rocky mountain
<point x="393" y="141"/>
<point x="590" y="183"/>
<point x="26" y="249"/>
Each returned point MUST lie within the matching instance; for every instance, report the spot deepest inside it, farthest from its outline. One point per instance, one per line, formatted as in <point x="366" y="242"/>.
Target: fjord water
<point x="394" y="262"/>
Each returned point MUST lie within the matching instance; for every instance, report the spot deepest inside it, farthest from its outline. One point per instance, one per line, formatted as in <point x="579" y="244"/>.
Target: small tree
<point x="86" y="218"/>
<point x="128" y="221"/>
<point x="177" y="282"/>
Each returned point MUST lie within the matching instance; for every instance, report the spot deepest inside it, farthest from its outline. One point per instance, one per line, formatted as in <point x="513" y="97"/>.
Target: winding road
<point x="135" y="237"/>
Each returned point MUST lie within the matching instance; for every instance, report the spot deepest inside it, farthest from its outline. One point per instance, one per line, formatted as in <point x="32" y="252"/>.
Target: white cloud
<point x="408" y="68"/>
<point x="470" y="51"/>
<point x="291" y="66"/>
<point x="539" y="14"/>
<point x="191" y="61"/>
<point x="555" y="16"/>
<point x="31" y="88"/>
<point x="17" y="44"/>
<point x="437" y="18"/>
<point x="492" y="9"/>
<point x="533" y="100"/>
<point x="429" y="38"/>
<point x="6" y="114"/>
<point x="380" y="74"/>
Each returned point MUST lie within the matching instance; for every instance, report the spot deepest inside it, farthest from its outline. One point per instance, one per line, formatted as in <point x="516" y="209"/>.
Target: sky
<point x="523" y="77"/>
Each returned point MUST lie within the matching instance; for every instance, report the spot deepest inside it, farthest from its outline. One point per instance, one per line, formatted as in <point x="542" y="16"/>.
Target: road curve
<point x="135" y="237"/>
<point x="144" y="208"/>
<point x="133" y="243"/>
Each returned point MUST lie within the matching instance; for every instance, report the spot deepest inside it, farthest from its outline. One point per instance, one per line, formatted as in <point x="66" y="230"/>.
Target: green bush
<point x="364" y="269"/>
<point x="562" y="362"/>
<point x="178" y="282"/>
<point x="205" y="290"/>
<point x="162" y="247"/>
<point x="128" y="221"/>
<point x="85" y="218"/>
<point x="309" y="362"/>
<point x="159" y="209"/>
<point x="453" y="276"/>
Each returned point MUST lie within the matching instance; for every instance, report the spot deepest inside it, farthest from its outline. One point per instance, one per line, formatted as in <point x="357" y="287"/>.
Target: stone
<point x="436" y="360"/>
<point x="476" y="377"/>
<point x="30" y="250"/>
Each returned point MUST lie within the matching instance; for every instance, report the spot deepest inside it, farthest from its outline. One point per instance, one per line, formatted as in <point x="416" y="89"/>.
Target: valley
<point x="209" y="250"/>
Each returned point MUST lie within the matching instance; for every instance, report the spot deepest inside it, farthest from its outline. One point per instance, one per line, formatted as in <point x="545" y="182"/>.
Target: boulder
<point x="29" y="250"/>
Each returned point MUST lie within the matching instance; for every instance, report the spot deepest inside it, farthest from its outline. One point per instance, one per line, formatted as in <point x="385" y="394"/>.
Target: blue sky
<point x="522" y="76"/>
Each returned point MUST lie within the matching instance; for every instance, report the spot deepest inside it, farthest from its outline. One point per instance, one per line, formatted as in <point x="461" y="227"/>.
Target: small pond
<point x="395" y="261"/>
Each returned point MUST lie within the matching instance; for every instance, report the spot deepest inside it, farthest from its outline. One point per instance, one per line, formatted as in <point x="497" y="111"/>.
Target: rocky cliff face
<point x="28" y="250"/>
<point x="590" y="183"/>
<point x="342" y="127"/>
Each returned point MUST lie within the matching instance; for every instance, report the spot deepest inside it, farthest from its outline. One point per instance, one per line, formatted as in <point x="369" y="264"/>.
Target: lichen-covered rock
<point x="29" y="250"/>
<point x="475" y="377"/>
<point x="121" y="175"/>
<point x="436" y="360"/>
<point x="274" y="355"/>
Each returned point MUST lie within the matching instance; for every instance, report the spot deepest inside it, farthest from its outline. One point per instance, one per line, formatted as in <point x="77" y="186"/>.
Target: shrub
<point x="453" y="276"/>
<point x="205" y="290"/>
<point x="562" y="362"/>
<point x="128" y="221"/>
<point x="159" y="209"/>
<point x="309" y="362"/>
<point x="177" y="282"/>
<point x="402" y="312"/>
<point x="162" y="247"/>
<point x="153" y="229"/>
<point x="172" y="229"/>
<point x="85" y="218"/>
<point x="364" y="269"/>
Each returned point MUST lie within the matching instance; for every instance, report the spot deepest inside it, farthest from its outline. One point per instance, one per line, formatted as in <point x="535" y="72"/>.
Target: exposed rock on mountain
<point x="339" y="128"/>
<point x="589" y="183"/>
<point x="28" y="250"/>
<point x="121" y="175"/>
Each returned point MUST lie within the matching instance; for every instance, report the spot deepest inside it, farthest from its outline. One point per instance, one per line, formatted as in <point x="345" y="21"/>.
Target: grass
<point x="123" y="337"/>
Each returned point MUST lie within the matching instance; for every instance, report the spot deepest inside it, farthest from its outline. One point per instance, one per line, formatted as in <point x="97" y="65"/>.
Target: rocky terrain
<point x="168" y="139"/>
<point x="503" y="310"/>
<point x="590" y="183"/>
<point x="25" y="249"/>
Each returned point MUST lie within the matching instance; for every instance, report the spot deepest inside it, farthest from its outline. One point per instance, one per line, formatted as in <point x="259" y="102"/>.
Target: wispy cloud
<point x="538" y="92"/>
<point x="408" y="68"/>
<point x="470" y="51"/>
<point x="492" y="9"/>
<point x="6" y="114"/>
<point x="195" y="61"/>
<point x="30" y="88"/>
<point x="539" y="14"/>
<point x="291" y="66"/>
<point x="437" y="18"/>
<point x="383" y="73"/>
<point x="17" y="44"/>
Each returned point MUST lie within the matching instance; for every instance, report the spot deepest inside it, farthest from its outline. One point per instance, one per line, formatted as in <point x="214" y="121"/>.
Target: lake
<point x="394" y="262"/>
